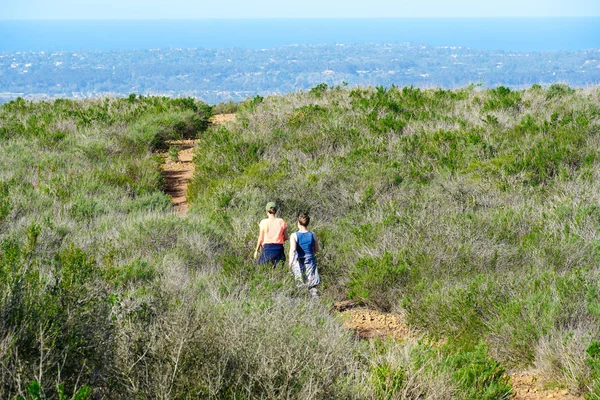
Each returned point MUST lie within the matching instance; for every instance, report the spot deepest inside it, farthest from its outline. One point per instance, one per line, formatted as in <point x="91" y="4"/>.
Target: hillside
<point x="474" y="213"/>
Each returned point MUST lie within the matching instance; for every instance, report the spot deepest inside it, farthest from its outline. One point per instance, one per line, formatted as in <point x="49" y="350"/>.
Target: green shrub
<point x="387" y="380"/>
<point x="593" y="353"/>
<point x="35" y="392"/>
<point x="252" y="103"/>
<point x="136" y="271"/>
<point x="378" y="280"/>
<point x="174" y="153"/>
<point x="5" y="207"/>
<point x="153" y="131"/>
<point x="464" y="373"/>
<point x="477" y="376"/>
<point x="85" y="208"/>
<point x="226" y="107"/>
<point x="502" y="98"/>
<point x="558" y="90"/>
<point x="151" y="202"/>
<point x="306" y="114"/>
<point x="318" y="90"/>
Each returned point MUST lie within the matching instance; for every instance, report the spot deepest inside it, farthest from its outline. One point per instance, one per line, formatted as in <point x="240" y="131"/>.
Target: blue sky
<point x="161" y="9"/>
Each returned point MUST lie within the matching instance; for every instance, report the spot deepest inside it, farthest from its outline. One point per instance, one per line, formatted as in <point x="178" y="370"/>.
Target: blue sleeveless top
<point x="306" y="244"/>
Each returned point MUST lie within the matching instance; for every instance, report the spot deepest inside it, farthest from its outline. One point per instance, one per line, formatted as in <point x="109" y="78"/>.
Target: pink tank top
<point x="274" y="229"/>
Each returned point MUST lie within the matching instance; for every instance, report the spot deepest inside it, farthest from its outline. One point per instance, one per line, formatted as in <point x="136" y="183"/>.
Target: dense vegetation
<point x="474" y="211"/>
<point x="233" y="74"/>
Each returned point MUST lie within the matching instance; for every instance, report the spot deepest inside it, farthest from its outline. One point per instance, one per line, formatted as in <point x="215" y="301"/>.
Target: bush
<point x="36" y="392"/>
<point x="227" y="107"/>
<point x="378" y="280"/>
<point x="558" y="90"/>
<point x="561" y="356"/>
<point x="477" y="376"/>
<point x="593" y="353"/>
<point x="427" y="371"/>
<point x="58" y="321"/>
<point x="153" y="131"/>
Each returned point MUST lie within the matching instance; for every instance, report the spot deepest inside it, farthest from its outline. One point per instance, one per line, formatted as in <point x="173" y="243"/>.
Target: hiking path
<point x="178" y="172"/>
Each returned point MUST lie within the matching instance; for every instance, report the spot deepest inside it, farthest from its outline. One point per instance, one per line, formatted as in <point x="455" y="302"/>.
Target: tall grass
<point x="105" y="293"/>
<point x="473" y="210"/>
<point x="476" y="211"/>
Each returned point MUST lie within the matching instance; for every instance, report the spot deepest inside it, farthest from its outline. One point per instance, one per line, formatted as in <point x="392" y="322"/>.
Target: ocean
<point x="506" y="34"/>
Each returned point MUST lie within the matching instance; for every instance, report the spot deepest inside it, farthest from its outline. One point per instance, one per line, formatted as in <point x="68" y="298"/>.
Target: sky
<point x="191" y="9"/>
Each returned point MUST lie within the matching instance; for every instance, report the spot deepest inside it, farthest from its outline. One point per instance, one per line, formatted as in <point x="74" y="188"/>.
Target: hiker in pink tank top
<point x="272" y="234"/>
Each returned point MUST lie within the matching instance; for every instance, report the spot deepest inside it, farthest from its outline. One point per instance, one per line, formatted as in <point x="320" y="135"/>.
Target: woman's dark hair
<point x="304" y="219"/>
<point x="272" y="210"/>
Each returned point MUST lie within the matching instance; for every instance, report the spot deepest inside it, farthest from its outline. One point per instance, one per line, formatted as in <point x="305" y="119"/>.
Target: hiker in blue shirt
<point x="303" y="246"/>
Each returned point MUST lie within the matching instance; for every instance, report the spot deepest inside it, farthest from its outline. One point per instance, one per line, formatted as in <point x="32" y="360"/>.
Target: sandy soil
<point x="527" y="386"/>
<point x="369" y="324"/>
<point x="222" y="118"/>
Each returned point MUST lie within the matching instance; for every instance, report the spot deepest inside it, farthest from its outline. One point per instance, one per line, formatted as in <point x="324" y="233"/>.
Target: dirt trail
<point x="527" y="387"/>
<point x="177" y="173"/>
<point x="370" y="324"/>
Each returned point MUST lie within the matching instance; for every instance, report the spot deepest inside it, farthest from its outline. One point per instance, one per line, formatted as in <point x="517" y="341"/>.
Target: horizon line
<point x="301" y="18"/>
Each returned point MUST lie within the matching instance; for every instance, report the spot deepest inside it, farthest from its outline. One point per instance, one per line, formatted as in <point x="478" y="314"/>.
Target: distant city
<point x="236" y="74"/>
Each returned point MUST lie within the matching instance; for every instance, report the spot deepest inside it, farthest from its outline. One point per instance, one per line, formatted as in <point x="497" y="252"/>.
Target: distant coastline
<point x="216" y="75"/>
<point x="506" y="34"/>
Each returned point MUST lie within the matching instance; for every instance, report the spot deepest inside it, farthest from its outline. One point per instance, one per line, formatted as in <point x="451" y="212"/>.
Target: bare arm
<point x="292" y="248"/>
<point x="261" y="236"/>
<point x="285" y="234"/>
<point x="317" y="247"/>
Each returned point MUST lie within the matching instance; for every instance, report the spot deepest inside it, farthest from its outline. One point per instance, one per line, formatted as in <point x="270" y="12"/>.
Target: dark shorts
<point x="272" y="253"/>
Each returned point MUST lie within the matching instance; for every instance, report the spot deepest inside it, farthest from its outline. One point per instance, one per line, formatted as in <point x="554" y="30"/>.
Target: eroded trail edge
<point x="178" y="172"/>
<point x="370" y="324"/>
